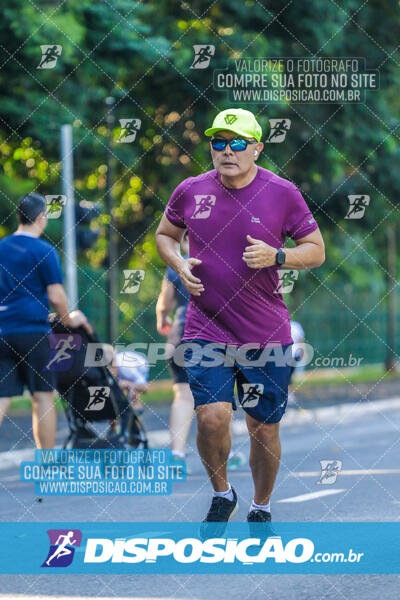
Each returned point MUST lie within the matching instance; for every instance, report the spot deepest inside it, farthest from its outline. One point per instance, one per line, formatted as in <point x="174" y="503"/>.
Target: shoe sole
<point x="233" y="513"/>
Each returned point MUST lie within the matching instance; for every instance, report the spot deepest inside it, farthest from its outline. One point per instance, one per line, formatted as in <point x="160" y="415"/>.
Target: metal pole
<point x="390" y="363"/>
<point x="112" y="266"/>
<point x="69" y="237"/>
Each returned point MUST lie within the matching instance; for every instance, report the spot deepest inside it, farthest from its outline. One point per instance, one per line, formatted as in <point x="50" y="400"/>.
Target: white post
<point x="69" y="226"/>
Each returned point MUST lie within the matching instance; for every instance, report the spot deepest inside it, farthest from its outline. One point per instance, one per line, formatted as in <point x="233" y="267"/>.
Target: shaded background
<point x="140" y="53"/>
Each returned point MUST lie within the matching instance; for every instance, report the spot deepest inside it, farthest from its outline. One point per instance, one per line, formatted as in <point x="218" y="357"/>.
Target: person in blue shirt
<point x="30" y="278"/>
<point x="174" y="296"/>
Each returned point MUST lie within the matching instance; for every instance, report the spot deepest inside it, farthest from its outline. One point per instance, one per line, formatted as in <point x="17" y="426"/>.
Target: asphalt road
<point x="365" y="437"/>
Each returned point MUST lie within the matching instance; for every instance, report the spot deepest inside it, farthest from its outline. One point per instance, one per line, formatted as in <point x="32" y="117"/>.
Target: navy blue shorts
<point x="23" y="360"/>
<point x="262" y="389"/>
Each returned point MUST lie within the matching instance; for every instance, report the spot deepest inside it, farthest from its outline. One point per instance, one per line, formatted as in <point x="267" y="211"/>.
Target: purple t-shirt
<point x="239" y="305"/>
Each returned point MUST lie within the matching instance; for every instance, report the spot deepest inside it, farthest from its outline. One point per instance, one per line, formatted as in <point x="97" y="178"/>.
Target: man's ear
<point x="258" y="148"/>
<point x="41" y="219"/>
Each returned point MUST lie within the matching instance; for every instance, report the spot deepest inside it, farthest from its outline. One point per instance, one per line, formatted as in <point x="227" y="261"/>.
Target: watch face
<point x="280" y="257"/>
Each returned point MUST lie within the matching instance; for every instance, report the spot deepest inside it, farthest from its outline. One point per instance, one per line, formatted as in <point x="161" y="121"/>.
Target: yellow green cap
<point x="237" y="120"/>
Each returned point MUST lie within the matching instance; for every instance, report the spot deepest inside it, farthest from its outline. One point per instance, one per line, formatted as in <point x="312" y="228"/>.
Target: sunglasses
<point x="237" y="145"/>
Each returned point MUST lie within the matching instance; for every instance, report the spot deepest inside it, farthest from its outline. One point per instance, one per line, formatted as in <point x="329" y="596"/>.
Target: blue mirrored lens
<point x="238" y="145"/>
<point x="218" y="144"/>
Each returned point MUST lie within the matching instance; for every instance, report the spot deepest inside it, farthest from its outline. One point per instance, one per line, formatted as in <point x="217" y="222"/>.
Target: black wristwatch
<point x="280" y="257"/>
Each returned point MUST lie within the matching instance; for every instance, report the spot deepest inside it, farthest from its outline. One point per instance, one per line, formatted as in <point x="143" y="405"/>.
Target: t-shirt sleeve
<point x="299" y="219"/>
<point x="175" y="209"/>
<point x="50" y="267"/>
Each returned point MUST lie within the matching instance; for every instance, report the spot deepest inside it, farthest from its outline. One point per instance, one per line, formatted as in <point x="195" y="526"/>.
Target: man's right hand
<point x="192" y="284"/>
<point x="76" y="319"/>
<point x="58" y="299"/>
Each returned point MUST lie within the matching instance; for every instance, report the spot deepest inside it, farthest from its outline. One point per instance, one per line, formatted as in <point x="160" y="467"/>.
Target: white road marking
<point x="157" y="439"/>
<point x="13" y="458"/>
<point x="311" y="496"/>
<point x="46" y="597"/>
<point x="160" y="438"/>
<point x="348" y="472"/>
<point x="343" y="413"/>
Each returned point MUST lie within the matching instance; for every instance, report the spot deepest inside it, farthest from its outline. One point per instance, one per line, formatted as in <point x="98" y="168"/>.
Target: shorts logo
<point x="62" y="349"/>
<point x="252" y="393"/>
<point x="62" y="547"/>
<point x="204" y="203"/>
<point x="98" y="397"/>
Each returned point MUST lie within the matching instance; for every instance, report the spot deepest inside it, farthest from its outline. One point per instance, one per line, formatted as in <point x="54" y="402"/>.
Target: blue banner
<point x="357" y="548"/>
<point x="103" y="472"/>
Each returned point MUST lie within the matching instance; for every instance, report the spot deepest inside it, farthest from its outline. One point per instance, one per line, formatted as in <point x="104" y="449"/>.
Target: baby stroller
<point x="90" y="393"/>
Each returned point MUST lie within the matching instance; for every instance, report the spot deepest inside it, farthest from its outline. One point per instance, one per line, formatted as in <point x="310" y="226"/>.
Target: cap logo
<point x="229" y="119"/>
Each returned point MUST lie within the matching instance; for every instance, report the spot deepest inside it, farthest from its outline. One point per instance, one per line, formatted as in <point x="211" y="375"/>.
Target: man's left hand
<point x="259" y="254"/>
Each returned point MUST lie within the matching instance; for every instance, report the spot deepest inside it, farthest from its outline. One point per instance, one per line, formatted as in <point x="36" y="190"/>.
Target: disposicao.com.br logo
<point x="214" y="550"/>
<point x="186" y="547"/>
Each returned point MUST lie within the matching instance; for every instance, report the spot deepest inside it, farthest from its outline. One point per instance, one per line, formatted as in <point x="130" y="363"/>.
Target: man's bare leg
<point x="44" y="419"/>
<point x="4" y="406"/>
<point x="214" y="441"/>
<point x="265" y="455"/>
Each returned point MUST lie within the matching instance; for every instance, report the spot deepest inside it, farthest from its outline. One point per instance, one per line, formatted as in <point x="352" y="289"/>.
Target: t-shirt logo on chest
<point x="204" y="204"/>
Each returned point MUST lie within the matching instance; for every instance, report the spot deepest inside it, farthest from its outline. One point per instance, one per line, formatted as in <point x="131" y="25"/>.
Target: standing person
<point x="174" y="295"/>
<point x="298" y="337"/>
<point x="238" y="216"/>
<point x="30" y="277"/>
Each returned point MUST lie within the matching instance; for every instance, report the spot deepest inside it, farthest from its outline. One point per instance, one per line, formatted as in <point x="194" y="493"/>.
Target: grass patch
<point x="22" y="404"/>
<point x="367" y="374"/>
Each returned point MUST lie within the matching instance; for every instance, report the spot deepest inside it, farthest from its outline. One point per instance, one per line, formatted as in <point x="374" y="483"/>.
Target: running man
<point x="30" y="277"/>
<point x="63" y="346"/>
<point x="50" y="55"/>
<point x="232" y="277"/>
<point x="62" y="550"/>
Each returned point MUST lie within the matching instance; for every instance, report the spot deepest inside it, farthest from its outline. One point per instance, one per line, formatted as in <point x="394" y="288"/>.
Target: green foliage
<point x="140" y="53"/>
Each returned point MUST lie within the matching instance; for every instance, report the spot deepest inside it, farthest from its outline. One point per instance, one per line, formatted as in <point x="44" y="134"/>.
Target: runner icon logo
<point x="54" y="206"/>
<point x="98" y="397"/>
<point x="287" y="277"/>
<point x="279" y="129"/>
<point x="357" y="206"/>
<point x="50" y="54"/>
<point x="252" y="393"/>
<point x="62" y="547"/>
<point x="204" y="203"/>
<point x="62" y="348"/>
<point x="129" y="129"/>
<point x="329" y="471"/>
<point x="202" y="55"/>
<point x="133" y="279"/>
